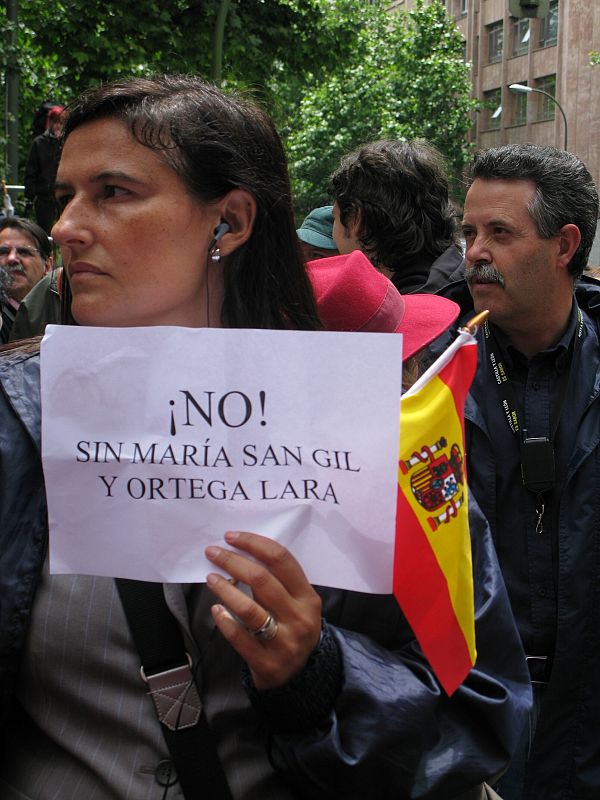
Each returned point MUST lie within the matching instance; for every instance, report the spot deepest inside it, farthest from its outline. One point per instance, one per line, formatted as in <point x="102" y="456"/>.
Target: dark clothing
<point x="448" y="267"/>
<point x="40" y="174"/>
<point x="46" y="212"/>
<point x="552" y="575"/>
<point x="427" y="276"/>
<point x="7" y="315"/>
<point x="40" y="307"/>
<point x="391" y="733"/>
<point x="529" y="562"/>
<point x="40" y="170"/>
<point x="409" y="279"/>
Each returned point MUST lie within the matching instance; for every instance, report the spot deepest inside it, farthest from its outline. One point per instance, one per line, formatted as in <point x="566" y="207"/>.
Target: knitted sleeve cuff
<point x="307" y="699"/>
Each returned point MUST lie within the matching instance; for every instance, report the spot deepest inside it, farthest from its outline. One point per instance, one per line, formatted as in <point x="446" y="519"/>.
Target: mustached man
<point x="533" y="441"/>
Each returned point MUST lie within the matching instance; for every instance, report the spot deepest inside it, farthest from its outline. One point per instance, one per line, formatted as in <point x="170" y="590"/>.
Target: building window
<point x="520" y="36"/>
<point x="464" y="6"/>
<point x="519" y="107"/>
<point x="549" y="26"/>
<point x="495" y="36"/>
<point x="493" y="106"/>
<point x="546" y="108"/>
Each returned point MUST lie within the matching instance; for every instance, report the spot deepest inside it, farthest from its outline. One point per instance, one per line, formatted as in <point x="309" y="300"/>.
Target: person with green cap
<point x="316" y="234"/>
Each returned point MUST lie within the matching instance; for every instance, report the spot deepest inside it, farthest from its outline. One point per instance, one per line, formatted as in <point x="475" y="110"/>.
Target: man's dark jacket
<point x="565" y="761"/>
<point x="426" y="276"/>
<point x="40" y="307"/>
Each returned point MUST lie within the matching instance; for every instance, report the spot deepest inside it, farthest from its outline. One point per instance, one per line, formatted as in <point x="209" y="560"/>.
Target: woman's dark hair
<point x="215" y="143"/>
<point x="399" y="191"/>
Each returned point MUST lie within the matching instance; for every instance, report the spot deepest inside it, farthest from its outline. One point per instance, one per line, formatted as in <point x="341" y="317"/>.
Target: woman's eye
<point x="62" y="200"/>
<point x="115" y="191"/>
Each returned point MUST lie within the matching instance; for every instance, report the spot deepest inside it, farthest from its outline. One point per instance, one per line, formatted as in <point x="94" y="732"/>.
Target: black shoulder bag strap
<point x="166" y="668"/>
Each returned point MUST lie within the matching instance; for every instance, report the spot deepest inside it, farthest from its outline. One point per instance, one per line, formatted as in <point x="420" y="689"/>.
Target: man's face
<point x="56" y="126"/>
<point x="311" y="252"/>
<point x="25" y="268"/>
<point x="511" y="269"/>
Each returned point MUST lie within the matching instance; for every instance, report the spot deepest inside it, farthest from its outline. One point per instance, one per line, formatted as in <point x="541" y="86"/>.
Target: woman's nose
<point x="72" y="227"/>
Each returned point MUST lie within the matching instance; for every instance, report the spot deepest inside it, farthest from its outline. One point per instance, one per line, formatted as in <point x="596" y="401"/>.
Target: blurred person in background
<point x="40" y="170"/>
<point x="316" y="234"/>
<point x="391" y="202"/>
<point x="25" y="257"/>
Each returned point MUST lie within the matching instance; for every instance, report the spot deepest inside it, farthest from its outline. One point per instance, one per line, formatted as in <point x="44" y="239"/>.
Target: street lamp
<point x="519" y="87"/>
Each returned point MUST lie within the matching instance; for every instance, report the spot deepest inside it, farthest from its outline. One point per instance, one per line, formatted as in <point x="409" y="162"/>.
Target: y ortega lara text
<point x="249" y="456"/>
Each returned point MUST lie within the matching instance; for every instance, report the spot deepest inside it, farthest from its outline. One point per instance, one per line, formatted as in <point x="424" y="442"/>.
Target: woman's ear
<point x="238" y="210"/>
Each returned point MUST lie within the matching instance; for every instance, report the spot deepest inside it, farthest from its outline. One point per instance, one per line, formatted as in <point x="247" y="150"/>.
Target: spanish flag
<point x="433" y="573"/>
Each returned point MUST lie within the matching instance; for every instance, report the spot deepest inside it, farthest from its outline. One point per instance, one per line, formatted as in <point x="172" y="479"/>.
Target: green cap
<point x="317" y="228"/>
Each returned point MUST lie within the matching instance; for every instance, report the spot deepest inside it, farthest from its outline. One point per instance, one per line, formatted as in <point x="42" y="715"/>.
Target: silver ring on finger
<point x="268" y="630"/>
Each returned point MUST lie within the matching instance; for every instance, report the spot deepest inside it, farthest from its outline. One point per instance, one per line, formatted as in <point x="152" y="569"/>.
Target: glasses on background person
<point x="22" y="252"/>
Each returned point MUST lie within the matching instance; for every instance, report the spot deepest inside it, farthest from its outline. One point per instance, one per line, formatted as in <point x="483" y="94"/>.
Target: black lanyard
<point x="538" y="469"/>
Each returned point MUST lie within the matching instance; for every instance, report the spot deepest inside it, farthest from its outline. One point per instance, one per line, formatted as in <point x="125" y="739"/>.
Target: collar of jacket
<point x="20" y="383"/>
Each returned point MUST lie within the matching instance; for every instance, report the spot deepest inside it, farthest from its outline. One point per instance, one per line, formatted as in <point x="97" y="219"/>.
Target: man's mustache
<point x="482" y="272"/>
<point x="7" y="274"/>
<point x="14" y="269"/>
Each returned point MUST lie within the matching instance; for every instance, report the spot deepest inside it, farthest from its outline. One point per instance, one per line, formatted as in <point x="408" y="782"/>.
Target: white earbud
<point x="220" y="230"/>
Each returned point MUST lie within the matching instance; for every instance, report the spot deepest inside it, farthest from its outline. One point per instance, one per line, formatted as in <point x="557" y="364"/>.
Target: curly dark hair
<point x="565" y="192"/>
<point x="217" y="142"/>
<point x="399" y="190"/>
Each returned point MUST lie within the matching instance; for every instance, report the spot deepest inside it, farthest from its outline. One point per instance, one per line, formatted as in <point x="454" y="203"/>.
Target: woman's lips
<point x="80" y="270"/>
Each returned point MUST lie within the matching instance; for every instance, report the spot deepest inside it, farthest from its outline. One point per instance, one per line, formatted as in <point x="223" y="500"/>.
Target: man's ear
<point x="238" y="210"/>
<point x="48" y="264"/>
<point x="569" y="240"/>
<point x="354" y="223"/>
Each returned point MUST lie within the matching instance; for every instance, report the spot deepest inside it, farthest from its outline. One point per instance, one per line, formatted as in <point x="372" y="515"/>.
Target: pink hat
<point x="353" y="296"/>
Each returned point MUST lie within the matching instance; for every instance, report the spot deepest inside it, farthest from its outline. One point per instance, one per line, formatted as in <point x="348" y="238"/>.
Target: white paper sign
<point x="155" y="441"/>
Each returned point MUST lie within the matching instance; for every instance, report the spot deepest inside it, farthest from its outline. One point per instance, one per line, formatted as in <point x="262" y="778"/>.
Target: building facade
<point x="551" y="55"/>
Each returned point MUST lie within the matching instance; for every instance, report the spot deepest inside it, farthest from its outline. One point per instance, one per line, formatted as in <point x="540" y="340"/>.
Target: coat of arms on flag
<point x="433" y="573"/>
<point x="437" y="479"/>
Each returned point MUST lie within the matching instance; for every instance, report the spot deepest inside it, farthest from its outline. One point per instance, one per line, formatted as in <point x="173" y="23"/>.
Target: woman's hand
<point x="279" y="588"/>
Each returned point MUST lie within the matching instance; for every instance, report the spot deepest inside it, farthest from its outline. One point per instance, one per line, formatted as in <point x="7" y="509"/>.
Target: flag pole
<point x="465" y="334"/>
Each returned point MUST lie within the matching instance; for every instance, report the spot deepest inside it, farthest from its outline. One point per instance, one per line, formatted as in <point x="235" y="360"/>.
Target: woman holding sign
<point x="175" y="210"/>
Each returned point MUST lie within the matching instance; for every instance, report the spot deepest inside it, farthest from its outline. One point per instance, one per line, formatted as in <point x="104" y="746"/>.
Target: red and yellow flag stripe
<point x="433" y="574"/>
